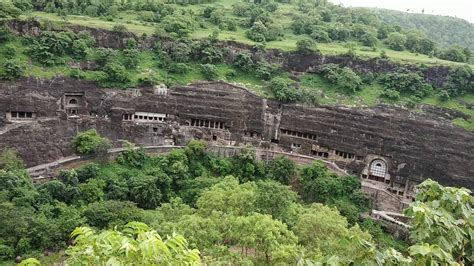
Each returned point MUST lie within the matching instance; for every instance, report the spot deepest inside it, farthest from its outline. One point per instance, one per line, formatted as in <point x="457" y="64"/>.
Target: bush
<point x="130" y="58"/>
<point x="119" y="29"/>
<point x="369" y="39"/>
<point x="454" y="53"/>
<point x="115" y="73"/>
<point x="76" y="73"/>
<point x="209" y="71"/>
<point x="403" y="80"/>
<point x="181" y="25"/>
<point x="306" y="46"/>
<point x="459" y="81"/>
<point x="90" y="143"/>
<point x="343" y="77"/>
<point x="320" y="35"/>
<point x="265" y="70"/>
<point x="5" y="34"/>
<point x="244" y="61"/>
<point x="257" y="32"/>
<point x="13" y="69"/>
<point x="283" y="91"/>
<point x="396" y="41"/>
<point x="178" y="68"/>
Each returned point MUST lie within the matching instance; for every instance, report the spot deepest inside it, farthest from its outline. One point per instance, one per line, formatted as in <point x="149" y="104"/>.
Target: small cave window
<point x="378" y="168"/>
<point x="214" y="137"/>
<point x="73" y="101"/>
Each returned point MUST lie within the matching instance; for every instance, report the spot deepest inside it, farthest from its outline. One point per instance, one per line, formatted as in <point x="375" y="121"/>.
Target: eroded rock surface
<point x="39" y="118"/>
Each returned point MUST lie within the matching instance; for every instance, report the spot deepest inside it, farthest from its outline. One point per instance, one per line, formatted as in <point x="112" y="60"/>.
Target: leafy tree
<point x="281" y="169"/>
<point x="130" y="58"/>
<point x="136" y="243"/>
<point x="403" y="80"/>
<point x="263" y="234"/>
<point x="209" y="71"/>
<point x="257" y="32"/>
<point x="115" y="73"/>
<point x="265" y="70"/>
<point x="180" y="52"/>
<point x="10" y="160"/>
<point x="459" y="81"/>
<point x="8" y="10"/>
<point x="369" y="39"/>
<point x="339" y="33"/>
<point x="282" y="90"/>
<point x="206" y="51"/>
<point x="149" y="191"/>
<point x="13" y="69"/>
<point x="343" y="77"/>
<point x="454" y="53"/>
<point x="90" y="143"/>
<point x="320" y="35"/>
<point x="274" y="199"/>
<point x="110" y="213"/>
<point x="442" y="224"/>
<point x="321" y="228"/>
<point x="417" y="42"/>
<point x="396" y="41"/>
<point x="244" y="61"/>
<point x="5" y="34"/>
<point x="228" y="196"/>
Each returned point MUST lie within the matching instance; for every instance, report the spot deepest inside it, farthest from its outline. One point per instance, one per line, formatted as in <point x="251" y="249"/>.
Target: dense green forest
<point x="444" y="30"/>
<point x="195" y="207"/>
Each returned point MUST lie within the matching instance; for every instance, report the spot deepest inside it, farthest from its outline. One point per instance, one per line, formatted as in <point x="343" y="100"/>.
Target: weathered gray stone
<point x="417" y="145"/>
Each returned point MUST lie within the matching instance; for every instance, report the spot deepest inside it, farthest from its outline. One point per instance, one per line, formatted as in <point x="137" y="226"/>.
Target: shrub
<point x="403" y="80"/>
<point x="244" y="61"/>
<point x="343" y="77"/>
<point x="454" y="53"/>
<point x="178" y="68"/>
<point x="459" y="81"/>
<point x="115" y="73"/>
<point x="265" y="70"/>
<point x="5" y="34"/>
<point x="369" y="39"/>
<point x="13" y="69"/>
<point x="90" y="143"/>
<point x="396" y="41"/>
<point x="257" y="32"/>
<point x="76" y="73"/>
<point x="130" y="58"/>
<point x="119" y="29"/>
<point x="178" y="25"/>
<point x="306" y="46"/>
<point x="209" y="71"/>
<point x="283" y="91"/>
<point x="320" y="35"/>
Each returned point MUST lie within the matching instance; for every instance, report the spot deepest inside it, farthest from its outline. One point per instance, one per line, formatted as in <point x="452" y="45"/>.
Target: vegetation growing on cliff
<point x="188" y="48"/>
<point x="233" y="210"/>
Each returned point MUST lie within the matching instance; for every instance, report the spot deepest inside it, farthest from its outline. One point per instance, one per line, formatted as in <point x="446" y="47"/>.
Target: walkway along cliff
<point x="391" y="149"/>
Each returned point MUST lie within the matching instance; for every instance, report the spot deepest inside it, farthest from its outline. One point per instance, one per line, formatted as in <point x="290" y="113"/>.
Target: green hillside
<point x="444" y="30"/>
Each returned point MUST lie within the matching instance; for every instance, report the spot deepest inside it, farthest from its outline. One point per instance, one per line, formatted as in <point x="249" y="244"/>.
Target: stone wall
<point x="416" y="145"/>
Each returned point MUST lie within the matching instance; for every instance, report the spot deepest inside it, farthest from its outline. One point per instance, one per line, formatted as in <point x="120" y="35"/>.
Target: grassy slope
<point x="130" y="20"/>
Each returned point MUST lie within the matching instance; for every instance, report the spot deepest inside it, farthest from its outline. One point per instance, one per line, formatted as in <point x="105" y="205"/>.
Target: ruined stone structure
<point x="391" y="149"/>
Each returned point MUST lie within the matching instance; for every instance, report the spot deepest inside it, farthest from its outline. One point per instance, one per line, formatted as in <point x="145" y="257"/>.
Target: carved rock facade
<point x="388" y="147"/>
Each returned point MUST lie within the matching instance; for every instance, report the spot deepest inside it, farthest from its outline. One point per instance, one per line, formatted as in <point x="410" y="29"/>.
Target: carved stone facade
<point x="390" y="148"/>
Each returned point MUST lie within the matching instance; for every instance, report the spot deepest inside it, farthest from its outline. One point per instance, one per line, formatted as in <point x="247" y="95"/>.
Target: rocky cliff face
<point x="39" y="119"/>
